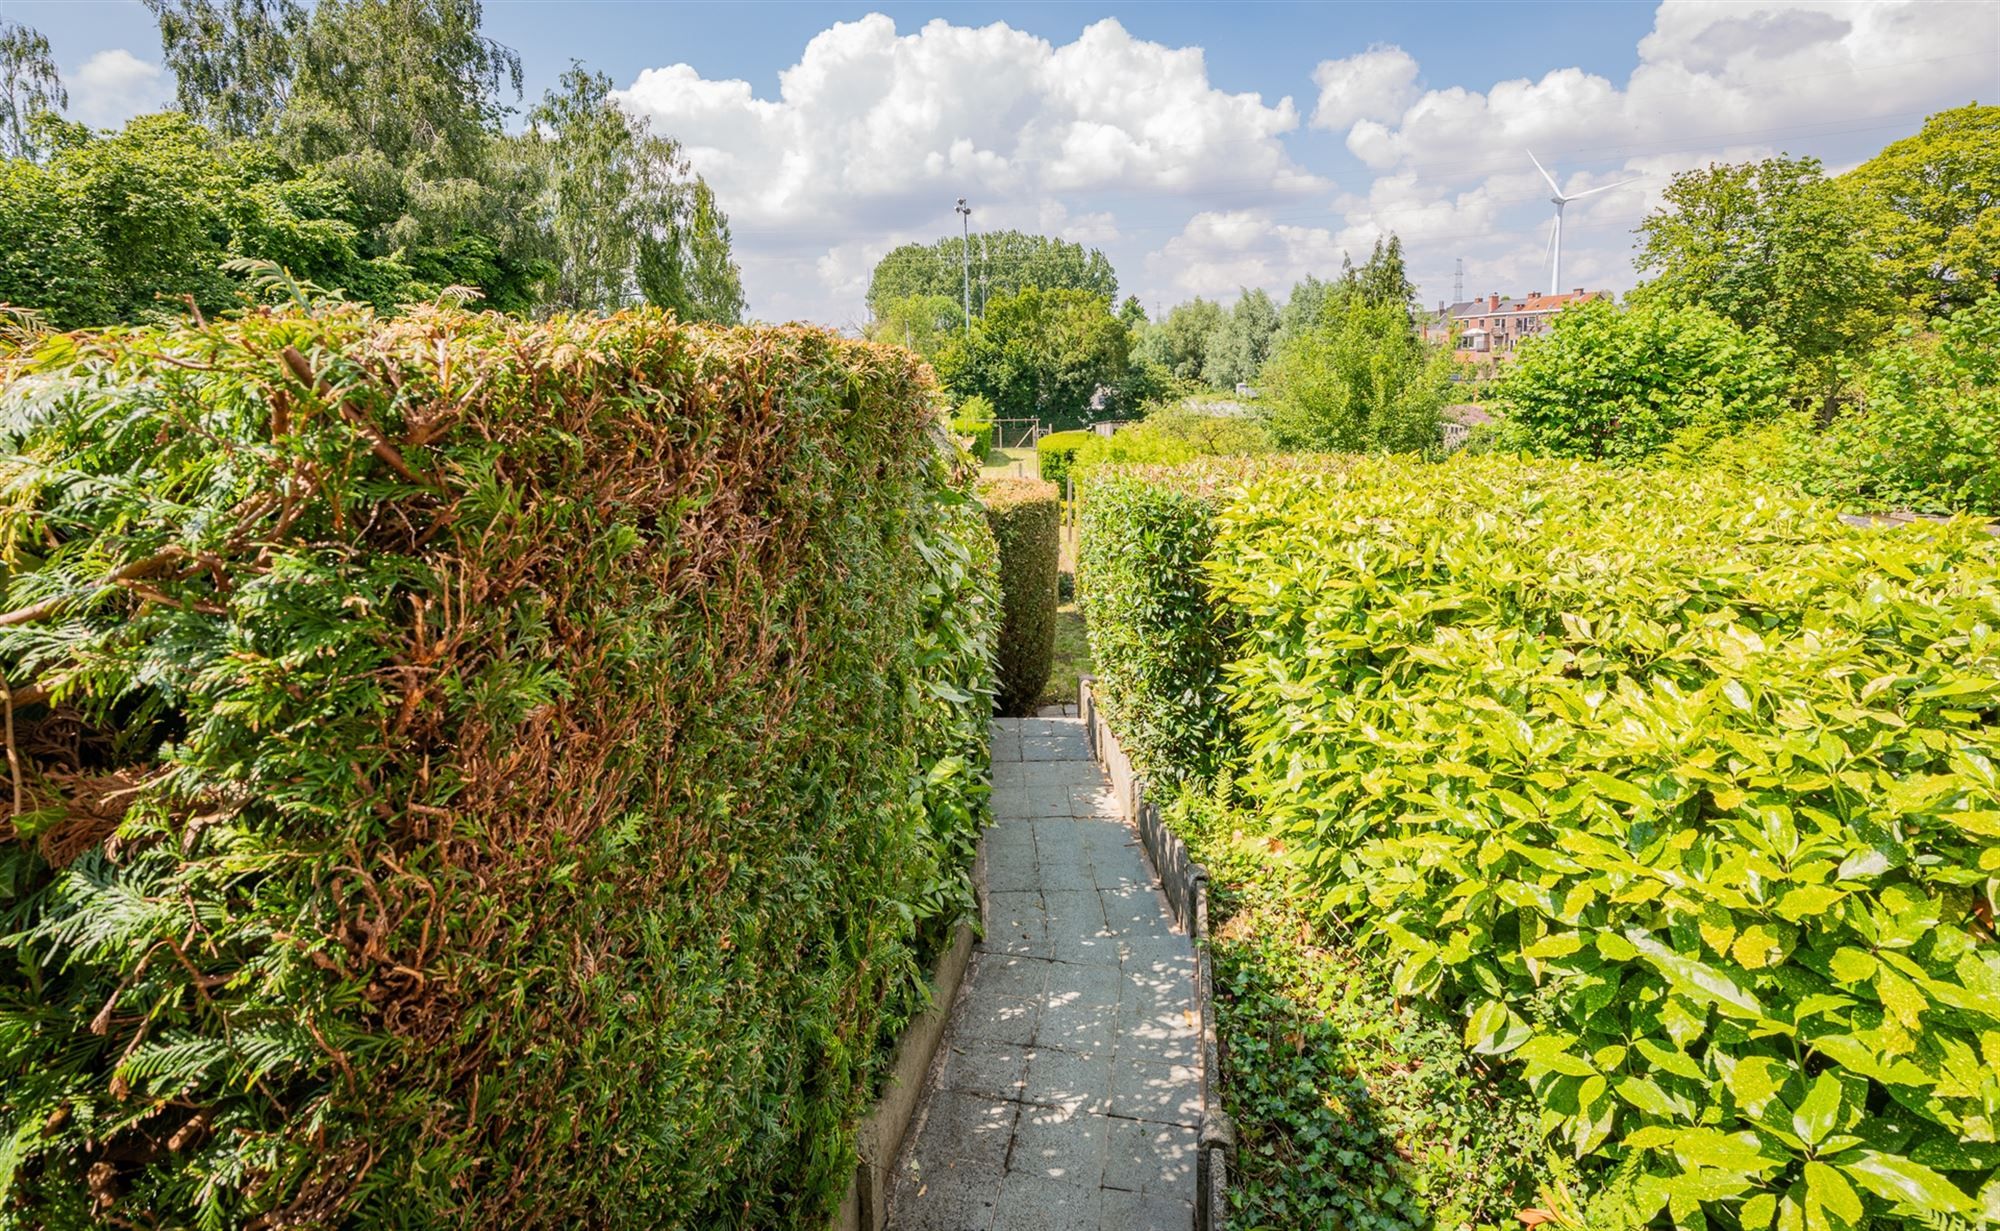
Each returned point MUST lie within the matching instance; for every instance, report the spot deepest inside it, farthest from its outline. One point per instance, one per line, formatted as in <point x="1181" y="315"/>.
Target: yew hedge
<point x="472" y="772"/>
<point x="1684" y="793"/>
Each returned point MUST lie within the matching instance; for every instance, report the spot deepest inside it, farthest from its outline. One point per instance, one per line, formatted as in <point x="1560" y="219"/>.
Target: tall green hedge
<point x="1156" y="645"/>
<point x="1055" y="452"/>
<point x="473" y="772"/>
<point x="1026" y="517"/>
<point x="1680" y="790"/>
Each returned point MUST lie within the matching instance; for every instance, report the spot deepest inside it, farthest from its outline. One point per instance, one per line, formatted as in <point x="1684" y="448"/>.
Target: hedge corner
<point x="1026" y="516"/>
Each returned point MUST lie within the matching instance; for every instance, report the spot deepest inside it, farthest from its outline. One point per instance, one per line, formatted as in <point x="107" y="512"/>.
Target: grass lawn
<point x="1011" y="464"/>
<point x="1072" y="657"/>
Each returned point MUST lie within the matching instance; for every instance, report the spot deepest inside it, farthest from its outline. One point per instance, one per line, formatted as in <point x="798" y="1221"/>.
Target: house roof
<point x="1532" y="303"/>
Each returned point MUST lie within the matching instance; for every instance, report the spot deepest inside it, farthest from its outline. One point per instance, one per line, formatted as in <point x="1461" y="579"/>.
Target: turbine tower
<point x="1555" y="244"/>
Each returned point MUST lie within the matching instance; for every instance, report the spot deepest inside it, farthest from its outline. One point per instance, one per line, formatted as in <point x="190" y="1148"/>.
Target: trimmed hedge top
<point x="1157" y="642"/>
<point x="1056" y="451"/>
<point x="476" y="772"/>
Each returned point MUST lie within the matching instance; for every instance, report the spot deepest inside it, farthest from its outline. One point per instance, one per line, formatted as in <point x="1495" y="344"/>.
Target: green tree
<point x="1619" y="384"/>
<point x="1042" y="354"/>
<point x="232" y="60"/>
<point x="624" y="215"/>
<point x="131" y="225"/>
<point x="924" y="323"/>
<point x="1133" y="313"/>
<point x="401" y="101"/>
<point x="29" y="86"/>
<point x="1179" y="341"/>
<point x="1002" y="263"/>
<point x="1384" y="278"/>
<point x="1931" y="209"/>
<point x="1301" y="310"/>
<point x="1927" y="432"/>
<point x="1773" y="244"/>
<point x="1236" y="351"/>
<point x="1361" y="379"/>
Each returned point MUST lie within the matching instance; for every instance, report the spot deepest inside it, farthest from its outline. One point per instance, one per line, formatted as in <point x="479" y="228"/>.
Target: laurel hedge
<point x="1681" y="791"/>
<point x="1026" y="519"/>
<point x="1056" y="452"/>
<point x="472" y="772"/>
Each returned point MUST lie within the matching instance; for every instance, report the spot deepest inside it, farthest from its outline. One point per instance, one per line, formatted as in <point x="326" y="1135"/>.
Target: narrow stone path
<point x="1065" y="1096"/>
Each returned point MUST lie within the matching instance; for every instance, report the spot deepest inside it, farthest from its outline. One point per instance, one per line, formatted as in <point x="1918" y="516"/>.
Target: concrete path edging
<point x="1186" y="886"/>
<point x="879" y="1139"/>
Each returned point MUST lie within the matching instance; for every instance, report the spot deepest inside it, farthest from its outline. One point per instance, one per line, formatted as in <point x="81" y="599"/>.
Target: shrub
<point x="1926" y="435"/>
<point x="1026" y="517"/>
<point x="1618" y="384"/>
<point x="1172" y="434"/>
<point x="979" y="433"/>
<point x="1055" y="451"/>
<point x="1355" y="1106"/>
<point x="1135" y="445"/>
<point x="1359" y="380"/>
<point x="1157" y="649"/>
<point x="1682" y="791"/>
<point x="476" y="772"/>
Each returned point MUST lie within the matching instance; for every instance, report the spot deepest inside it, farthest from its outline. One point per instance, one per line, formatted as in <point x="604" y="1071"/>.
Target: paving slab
<point x="1065" y="1096"/>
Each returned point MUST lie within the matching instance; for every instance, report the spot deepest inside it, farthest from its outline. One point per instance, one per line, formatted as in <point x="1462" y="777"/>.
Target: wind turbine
<point x="1555" y="244"/>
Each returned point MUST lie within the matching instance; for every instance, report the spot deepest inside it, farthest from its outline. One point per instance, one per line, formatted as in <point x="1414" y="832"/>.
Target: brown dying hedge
<point x="474" y="772"/>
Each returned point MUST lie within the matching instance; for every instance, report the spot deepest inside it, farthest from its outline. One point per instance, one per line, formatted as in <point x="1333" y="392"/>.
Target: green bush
<point x="1361" y="380"/>
<point x="1355" y="1106"/>
<point x="1143" y="533"/>
<point x="1026" y="517"/>
<point x="1055" y="451"/>
<point x="980" y="434"/>
<point x="475" y="772"/>
<point x="1617" y="384"/>
<point x="1682" y="791"/>
<point x="1925" y="436"/>
<point x="1171" y="434"/>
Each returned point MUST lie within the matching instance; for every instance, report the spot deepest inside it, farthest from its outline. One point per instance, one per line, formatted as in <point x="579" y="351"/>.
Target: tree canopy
<point x="1359" y="380"/>
<point x="625" y="218"/>
<point x="1931" y="210"/>
<point x="29" y="86"/>
<point x="1002" y="264"/>
<point x="1608" y="383"/>
<point x="359" y="144"/>
<point x="1771" y="244"/>
<point x="1041" y="354"/>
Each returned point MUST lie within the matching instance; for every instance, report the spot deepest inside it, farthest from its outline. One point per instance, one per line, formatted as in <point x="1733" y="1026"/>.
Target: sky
<point x="1204" y="147"/>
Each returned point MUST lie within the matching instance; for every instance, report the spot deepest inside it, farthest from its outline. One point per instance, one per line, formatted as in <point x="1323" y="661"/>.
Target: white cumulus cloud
<point x="113" y="86"/>
<point x="875" y="132"/>
<point x="1375" y="85"/>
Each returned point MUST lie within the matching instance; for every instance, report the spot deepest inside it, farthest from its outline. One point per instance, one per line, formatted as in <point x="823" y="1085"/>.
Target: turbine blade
<point x="1551" y="245"/>
<point x="1608" y="187"/>
<point x="1553" y="186"/>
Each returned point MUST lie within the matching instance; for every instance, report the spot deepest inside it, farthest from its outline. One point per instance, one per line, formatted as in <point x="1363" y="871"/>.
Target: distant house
<point x="1489" y="329"/>
<point x="1459" y="421"/>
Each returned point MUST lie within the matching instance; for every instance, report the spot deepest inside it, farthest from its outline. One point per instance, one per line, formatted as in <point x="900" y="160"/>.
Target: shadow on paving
<point x="1066" y="1094"/>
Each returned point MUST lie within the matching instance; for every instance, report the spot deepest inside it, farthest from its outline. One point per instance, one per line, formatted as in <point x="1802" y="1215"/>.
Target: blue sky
<point x="1204" y="147"/>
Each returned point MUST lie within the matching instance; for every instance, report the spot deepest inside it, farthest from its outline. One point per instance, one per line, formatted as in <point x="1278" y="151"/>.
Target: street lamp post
<point x="965" y="218"/>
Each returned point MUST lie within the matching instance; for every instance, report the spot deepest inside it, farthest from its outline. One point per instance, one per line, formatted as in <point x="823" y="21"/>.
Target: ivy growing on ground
<point x="1356" y="1107"/>
<point x="472" y="772"/>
